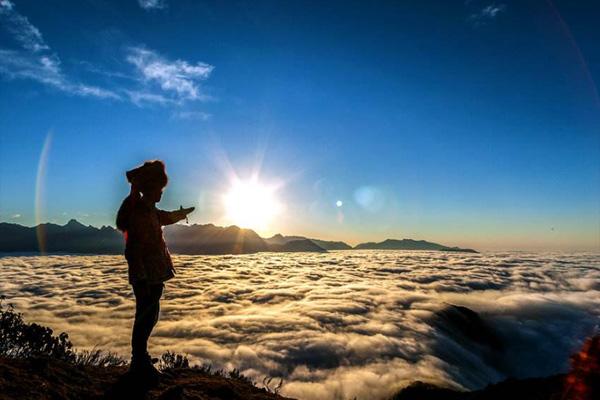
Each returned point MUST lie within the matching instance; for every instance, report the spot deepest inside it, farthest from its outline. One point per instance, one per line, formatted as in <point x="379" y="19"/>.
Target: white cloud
<point x="178" y="77"/>
<point x="191" y="115"/>
<point x="35" y="60"/>
<point x="85" y="90"/>
<point x="487" y="13"/>
<point x="16" y="216"/>
<point x="15" y="64"/>
<point x="492" y="10"/>
<point x="46" y="69"/>
<point x="141" y="98"/>
<point x="152" y="4"/>
<point x="21" y="29"/>
<point x="154" y="81"/>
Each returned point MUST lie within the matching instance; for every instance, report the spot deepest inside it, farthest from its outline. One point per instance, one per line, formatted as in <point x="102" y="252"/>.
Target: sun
<point x="251" y="204"/>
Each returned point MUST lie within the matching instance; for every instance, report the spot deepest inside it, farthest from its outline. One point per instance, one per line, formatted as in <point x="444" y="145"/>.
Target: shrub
<point x="237" y="375"/>
<point x="267" y="385"/>
<point x="19" y="339"/>
<point x="170" y="360"/>
<point x="98" y="358"/>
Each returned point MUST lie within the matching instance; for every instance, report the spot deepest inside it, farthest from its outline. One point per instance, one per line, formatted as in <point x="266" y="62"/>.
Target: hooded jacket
<point x="145" y="249"/>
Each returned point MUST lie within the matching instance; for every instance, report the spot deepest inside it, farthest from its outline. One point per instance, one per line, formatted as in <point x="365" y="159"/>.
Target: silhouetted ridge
<point x="74" y="237"/>
<point x="297" y="246"/>
<point x="279" y="239"/>
<point x="73" y="224"/>
<point x="466" y="325"/>
<point x="409" y="244"/>
<point x="210" y="239"/>
<point x="548" y="388"/>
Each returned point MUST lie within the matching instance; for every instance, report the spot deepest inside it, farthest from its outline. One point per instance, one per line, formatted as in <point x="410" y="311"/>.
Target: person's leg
<point x="146" y="317"/>
<point x="138" y="344"/>
<point x="155" y="294"/>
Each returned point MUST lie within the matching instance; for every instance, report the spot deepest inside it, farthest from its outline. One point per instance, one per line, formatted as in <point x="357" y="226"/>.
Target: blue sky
<point x="471" y="123"/>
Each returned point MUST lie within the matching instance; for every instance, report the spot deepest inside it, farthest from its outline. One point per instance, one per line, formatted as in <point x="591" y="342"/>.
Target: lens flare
<point x="40" y="189"/>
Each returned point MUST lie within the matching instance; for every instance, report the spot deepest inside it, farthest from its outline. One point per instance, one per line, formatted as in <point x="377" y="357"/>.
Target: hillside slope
<point x="45" y="379"/>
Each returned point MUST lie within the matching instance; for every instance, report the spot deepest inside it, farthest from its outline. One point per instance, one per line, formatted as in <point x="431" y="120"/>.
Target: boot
<point x="142" y="368"/>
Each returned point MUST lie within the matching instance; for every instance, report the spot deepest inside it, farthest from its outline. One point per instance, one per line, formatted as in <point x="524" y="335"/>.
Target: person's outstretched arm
<point x="171" y="217"/>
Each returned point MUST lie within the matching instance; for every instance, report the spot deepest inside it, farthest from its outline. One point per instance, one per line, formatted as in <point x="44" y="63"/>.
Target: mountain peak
<point x="73" y="223"/>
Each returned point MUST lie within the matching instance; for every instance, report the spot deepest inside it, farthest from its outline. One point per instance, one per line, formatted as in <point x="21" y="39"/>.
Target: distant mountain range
<point x="279" y="239"/>
<point x="75" y="237"/>
<point x="409" y="244"/>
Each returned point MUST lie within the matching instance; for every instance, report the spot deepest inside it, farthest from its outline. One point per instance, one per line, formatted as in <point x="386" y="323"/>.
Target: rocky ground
<point x="49" y="379"/>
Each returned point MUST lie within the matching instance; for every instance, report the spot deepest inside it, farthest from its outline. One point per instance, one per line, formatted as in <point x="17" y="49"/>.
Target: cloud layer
<point x="334" y="325"/>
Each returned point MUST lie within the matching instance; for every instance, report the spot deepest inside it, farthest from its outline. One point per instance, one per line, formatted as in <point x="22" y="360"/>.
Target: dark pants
<point x="147" y="307"/>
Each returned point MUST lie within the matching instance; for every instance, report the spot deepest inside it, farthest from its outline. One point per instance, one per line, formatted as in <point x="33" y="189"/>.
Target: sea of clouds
<point x="334" y="326"/>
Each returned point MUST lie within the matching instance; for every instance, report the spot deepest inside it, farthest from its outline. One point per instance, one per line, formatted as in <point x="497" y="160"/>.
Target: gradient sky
<point x="471" y="123"/>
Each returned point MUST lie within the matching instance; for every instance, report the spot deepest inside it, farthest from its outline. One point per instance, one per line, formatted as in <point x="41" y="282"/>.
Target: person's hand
<point x="182" y="213"/>
<point x="186" y="211"/>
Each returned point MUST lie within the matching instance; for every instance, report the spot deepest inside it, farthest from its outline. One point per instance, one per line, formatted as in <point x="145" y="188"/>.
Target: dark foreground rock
<point x="45" y="379"/>
<point x="549" y="388"/>
<point x="581" y="383"/>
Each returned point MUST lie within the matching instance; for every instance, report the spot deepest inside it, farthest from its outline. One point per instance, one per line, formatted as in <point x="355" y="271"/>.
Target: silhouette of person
<point x="148" y="259"/>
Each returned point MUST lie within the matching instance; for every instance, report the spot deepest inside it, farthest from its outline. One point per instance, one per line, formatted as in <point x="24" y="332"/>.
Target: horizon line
<point x="479" y="249"/>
